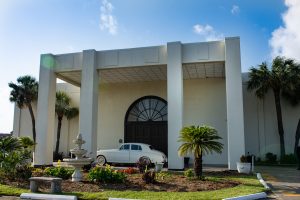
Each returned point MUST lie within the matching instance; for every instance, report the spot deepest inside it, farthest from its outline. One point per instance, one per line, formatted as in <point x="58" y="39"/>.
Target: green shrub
<point x="15" y="154"/>
<point x="60" y="172"/>
<point x="271" y="158"/>
<point x="106" y="175"/>
<point x="161" y="175"/>
<point x="189" y="173"/>
<point x="288" y="159"/>
<point x="38" y="172"/>
<point x="24" y="172"/>
<point x="243" y="159"/>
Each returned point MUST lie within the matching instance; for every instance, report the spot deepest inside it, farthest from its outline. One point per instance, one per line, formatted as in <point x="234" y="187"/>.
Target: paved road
<point x="284" y="181"/>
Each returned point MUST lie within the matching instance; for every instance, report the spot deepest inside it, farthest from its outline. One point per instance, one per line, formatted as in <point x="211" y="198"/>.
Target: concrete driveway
<point x="284" y="181"/>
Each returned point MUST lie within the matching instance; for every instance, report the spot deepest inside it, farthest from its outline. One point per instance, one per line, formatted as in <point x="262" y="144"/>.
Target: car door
<point x="122" y="155"/>
<point x="135" y="153"/>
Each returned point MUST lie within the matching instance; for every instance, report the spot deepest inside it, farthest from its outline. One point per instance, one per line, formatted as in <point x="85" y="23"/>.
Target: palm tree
<point x="63" y="108"/>
<point x="24" y="93"/>
<point x="293" y="96"/>
<point x="281" y="78"/>
<point x="199" y="140"/>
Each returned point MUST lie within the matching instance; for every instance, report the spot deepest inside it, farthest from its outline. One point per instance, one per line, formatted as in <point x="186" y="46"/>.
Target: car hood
<point x="157" y="152"/>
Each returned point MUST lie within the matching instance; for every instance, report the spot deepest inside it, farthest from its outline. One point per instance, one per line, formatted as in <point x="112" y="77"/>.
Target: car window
<point x="125" y="147"/>
<point x="136" y="147"/>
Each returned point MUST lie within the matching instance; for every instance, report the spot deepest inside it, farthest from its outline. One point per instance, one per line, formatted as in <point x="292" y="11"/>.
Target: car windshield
<point x="125" y="147"/>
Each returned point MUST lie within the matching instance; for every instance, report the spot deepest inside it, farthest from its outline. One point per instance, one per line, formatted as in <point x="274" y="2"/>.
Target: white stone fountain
<point x="79" y="161"/>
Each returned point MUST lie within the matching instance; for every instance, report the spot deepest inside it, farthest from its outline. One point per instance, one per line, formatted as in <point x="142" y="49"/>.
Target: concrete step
<point x="47" y="196"/>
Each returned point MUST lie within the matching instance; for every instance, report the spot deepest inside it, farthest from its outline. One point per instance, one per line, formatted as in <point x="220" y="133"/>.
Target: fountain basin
<point x="78" y="162"/>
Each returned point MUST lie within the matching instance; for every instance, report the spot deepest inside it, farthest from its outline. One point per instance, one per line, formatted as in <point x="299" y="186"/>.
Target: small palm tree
<point x="9" y="144"/>
<point x="282" y="78"/>
<point x="63" y="108"/>
<point x="27" y="145"/>
<point x="15" y="151"/>
<point x="24" y="93"/>
<point x="199" y="140"/>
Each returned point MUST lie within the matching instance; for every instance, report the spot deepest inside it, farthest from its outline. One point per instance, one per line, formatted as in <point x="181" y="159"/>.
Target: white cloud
<point x="285" y="40"/>
<point x="235" y="10"/>
<point x="107" y="20"/>
<point x="208" y="32"/>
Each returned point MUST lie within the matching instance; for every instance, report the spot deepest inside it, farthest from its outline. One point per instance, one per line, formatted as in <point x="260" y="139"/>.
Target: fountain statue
<point x="79" y="161"/>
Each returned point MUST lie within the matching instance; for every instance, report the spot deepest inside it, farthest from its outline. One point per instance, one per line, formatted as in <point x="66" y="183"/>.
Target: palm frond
<point x="259" y="79"/>
<point x="199" y="140"/>
<point x="24" y="92"/>
<point x="72" y="112"/>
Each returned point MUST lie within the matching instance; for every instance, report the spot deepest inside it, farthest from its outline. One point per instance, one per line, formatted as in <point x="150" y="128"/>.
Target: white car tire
<point x="101" y="160"/>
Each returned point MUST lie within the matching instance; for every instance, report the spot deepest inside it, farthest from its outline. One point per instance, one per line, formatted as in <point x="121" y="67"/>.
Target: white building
<point x="148" y="94"/>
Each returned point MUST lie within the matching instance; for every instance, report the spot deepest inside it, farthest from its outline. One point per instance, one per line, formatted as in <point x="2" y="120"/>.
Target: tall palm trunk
<point x="297" y="137"/>
<point x="279" y="122"/>
<point x="58" y="134"/>
<point x="32" y="121"/>
<point x="198" y="166"/>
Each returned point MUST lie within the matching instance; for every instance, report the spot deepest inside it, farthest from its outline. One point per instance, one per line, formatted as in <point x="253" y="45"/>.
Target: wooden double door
<point x="154" y="133"/>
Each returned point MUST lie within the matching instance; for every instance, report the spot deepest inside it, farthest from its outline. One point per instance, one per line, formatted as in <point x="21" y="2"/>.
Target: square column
<point x="89" y="102"/>
<point x="175" y="103"/>
<point x="261" y="128"/>
<point x="45" y="119"/>
<point x="17" y="120"/>
<point x="234" y="100"/>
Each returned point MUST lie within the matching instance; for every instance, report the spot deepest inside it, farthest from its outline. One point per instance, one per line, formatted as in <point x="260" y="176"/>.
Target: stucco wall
<point x="114" y="100"/>
<point x="204" y="103"/>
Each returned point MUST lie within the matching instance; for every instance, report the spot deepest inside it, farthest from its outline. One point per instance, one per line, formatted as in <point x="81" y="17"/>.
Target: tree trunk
<point x="279" y="122"/>
<point x="198" y="166"/>
<point x="58" y="135"/>
<point x="32" y="121"/>
<point x="297" y="137"/>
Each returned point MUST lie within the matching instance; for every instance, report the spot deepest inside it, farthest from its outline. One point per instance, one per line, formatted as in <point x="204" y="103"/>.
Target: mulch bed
<point x="171" y="183"/>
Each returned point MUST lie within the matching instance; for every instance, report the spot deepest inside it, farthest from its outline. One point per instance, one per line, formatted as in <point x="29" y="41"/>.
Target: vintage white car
<point x="130" y="153"/>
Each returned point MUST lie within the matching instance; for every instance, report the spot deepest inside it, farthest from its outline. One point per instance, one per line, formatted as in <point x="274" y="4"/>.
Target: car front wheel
<point x="101" y="160"/>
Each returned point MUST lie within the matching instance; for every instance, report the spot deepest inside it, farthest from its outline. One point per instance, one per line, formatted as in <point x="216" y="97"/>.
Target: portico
<point x="112" y="80"/>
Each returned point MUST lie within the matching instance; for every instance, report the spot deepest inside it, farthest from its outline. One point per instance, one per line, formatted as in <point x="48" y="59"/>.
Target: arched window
<point x="148" y="108"/>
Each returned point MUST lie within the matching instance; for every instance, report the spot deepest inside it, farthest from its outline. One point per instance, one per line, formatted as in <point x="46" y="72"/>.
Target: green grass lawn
<point x="249" y="185"/>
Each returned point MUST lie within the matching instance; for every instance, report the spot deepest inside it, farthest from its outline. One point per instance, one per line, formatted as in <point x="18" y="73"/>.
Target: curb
<point x="260" y="195"/>
<point x="120" y="199"/>
<point x="262" y="181"/>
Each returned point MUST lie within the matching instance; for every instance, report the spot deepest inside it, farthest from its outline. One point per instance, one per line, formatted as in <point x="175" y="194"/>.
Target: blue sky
<point x="29" y="28"/>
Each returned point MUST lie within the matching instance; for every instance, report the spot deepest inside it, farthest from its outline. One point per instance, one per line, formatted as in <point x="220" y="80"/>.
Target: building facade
<point x="143" y="95"/>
